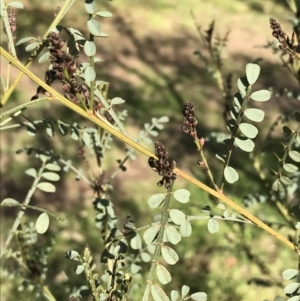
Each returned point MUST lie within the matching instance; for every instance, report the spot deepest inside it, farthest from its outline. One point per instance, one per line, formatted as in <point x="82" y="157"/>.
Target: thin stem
<point x="159" y="242"/>
<point x="23" y="206"/>
<point x="22" y="211"/>
<point x="60" y="15"/>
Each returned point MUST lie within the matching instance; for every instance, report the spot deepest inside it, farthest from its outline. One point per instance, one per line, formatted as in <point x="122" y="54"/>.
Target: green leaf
<point x="50" y="129"/>
<point x="182" y="195"/>
<point x="177" y="216"/>
<point x="73" y="255"/>
<point x="248" y="130"/>
<point x="90" y="8"/>
<point x="256" y="115"/>
<point x="213" y="225"/>
<point x="79" y="269"/>
<point x="31" y="172"/>
<point x="221" y="206"/>
<point x="89" y="74"/>
<point x="9" y="202"/>
<point x="145" y="257"/>
<point x="31" y="46"/>
<point x="294" y="155"/>
<point x="86" y="138"/>
<point x="174" y="295"/>
<point x="104" y="14"/>
<point x="135" y="268"/>
<point x="31" y="129"/>
<point x="244" y="144"/>
<point x="285" y="180"/>
<point x="136" y="242"/>
<point x="277" y="186"/>
<point x="169" y="255"/>
<point x="24" y="40"/>
<point x="230" y="174"/>
<point x="173" y="235"/>
<point x="158" y="294"/>
<point x="185" y="229"/>
<point x="53" y="167"/>
<point x="242" y="87"/>
<point x="94" y="27"/>
<point x="63" y="129"/>
<point x="52" y="176"/>
<point x="74" y="132"/>
<point x="47" y="187"/>
<point x="89" y="48"/>
<point x="151" y="234"/>
<point x="261" y="95"/>
<point x="184" y="291"/>
<point x="117" y="100"/>
<point x="16" y="4"/>
<point x="291" y="288"/>
<point x="199" y="296"/>
<point x="252" y="73"/>
<point x="291" y="168"/>
<point x="163" y="275"/>
<point x="43" y="58"/>
<point x="289" y="274"/>
<point x="42" y="223"/>
<point x="163" y="119"/>
<point x="156" y="200"/>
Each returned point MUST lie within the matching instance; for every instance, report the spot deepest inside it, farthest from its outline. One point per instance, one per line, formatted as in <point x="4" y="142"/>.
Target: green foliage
<point x="116" y="258"/>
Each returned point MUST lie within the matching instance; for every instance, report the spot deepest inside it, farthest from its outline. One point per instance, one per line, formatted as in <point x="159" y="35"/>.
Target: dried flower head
<point x="163" y="166"/>
<point x="190" y="122"/>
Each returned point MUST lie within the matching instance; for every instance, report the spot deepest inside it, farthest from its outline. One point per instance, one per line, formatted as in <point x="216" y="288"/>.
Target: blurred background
<point x="149" y="61"/>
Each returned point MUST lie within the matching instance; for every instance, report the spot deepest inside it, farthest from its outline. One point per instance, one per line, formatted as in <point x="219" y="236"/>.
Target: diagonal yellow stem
<point x="108" y="127"/>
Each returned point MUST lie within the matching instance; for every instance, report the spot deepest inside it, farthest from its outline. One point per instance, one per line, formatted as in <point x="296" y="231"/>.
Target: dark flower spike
<point x="163" y="166"/>
<point x="190" y="122"/>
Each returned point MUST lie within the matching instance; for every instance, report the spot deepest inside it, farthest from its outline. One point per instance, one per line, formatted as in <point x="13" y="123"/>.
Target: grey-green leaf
<point x="31" y="172"/>
<point x="150" y="234"/>
<point x="86" y="138"/>
<point x="289" y="274"/>
<point x="94" y="27"/>
<point x="117" y="100"/>
<point x="104" y="14"/>
<point x="173" y="235"/>
<point x="261" y="95"/>
<point x="73" y="255"/>
<point x="145" y="257"/>
<point x="230" y="174"/>
<point x="31" y="46"/>
<point x="184" y="290"/>
<point x="53" y="167"/>
<point x="158" y="294"/>
<point x="248" y="130"/>
<point x="294" y="155"/>
<point x="15" y="4"/>
<point x="52" y="176"/>
<point x="177" y="216"/>
<point x="31" y="129"/>
<point x="89" y="74"/>
<point x="256" y="115"/>
<point x="252" y="73"/>
<point x="155" y="200"/>
<point x="199" y="296"/>
<point x="185" y="229"/>
<point x="89" y="48"/>
<point x="291" y="168"/>
<point x="163" y="274"/>
<point x="169" y="255"/>
<point x="182" y="195"/>
<point x="24" y="40"/>
<point x="10" y="202"/>
<point x="44" y="57"/>
<point x="47" y="187"/>
<point x="213" y="225"/>
<point x="174" y="295"/>
<point x="291" y="288"/>
<point x="241" y="87"/>
<point x="79" y="269"/>
<point x="245" y="144"/>
<point x="136" y="242"/>
<point x="42" y="223"/>
<point x="90" y="7"/>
